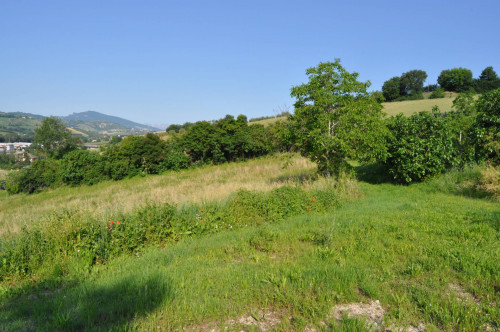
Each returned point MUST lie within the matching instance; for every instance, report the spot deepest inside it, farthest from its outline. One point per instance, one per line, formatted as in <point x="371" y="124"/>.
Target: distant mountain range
<point x="88" y="124"/>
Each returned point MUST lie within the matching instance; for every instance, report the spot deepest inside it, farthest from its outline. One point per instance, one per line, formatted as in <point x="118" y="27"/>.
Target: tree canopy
<point x="53" y="138"/>
<point x="336" y="119"/>
<point x="456" y="79"/>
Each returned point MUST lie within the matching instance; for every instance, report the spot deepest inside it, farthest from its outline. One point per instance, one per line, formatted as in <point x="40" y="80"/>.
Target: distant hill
<point x="87" y="124"/>
<point x="92" y="116"/>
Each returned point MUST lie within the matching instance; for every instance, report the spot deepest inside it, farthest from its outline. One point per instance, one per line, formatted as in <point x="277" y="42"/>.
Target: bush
<point x="39" y="175"/>
<point x="438" y="93"/>
<point x="82" y="167"/>
<point x="419" y="146"/>
<point x="486" y="130"/>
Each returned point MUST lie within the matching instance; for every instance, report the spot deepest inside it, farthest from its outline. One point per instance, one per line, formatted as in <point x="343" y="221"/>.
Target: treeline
<point x="410" y="85"/>
<point x="216" y="142"/>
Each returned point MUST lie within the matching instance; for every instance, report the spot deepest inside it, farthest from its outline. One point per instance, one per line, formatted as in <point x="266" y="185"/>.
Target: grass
<point x="106" y="199"/>
<point x="428" y="253"/>
<point x="410" y="107"/>
<point x="414" y="251"/>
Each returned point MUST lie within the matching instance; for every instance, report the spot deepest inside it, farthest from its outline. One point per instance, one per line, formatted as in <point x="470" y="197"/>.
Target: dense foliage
<point x="216" y="142"/>
<point x="336" y="119"/>
<point x="487" y="126"/>
<point x="409" y="86"/>
<point x="419" y="146"/>
<point x="53" y="139"/>
<point x="456" y="79"/>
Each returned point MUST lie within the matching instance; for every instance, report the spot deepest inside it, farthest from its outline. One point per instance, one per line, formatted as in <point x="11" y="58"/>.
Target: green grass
<point x="429" y="256"/>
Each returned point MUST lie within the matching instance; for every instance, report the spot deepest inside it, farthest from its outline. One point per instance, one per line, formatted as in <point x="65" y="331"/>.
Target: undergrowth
<point x="65" y="243"/>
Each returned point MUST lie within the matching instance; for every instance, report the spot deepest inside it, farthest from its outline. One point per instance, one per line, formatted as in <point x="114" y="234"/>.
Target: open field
<point x="106" y="199"/>
<point x="400" y="257"/>
<point x="410" y="107"/>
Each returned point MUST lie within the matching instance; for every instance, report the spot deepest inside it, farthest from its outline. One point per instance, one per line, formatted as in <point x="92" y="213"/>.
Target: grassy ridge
<point x="428" y="255"/>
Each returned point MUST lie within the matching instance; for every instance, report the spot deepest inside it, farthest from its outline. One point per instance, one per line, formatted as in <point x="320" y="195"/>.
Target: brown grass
<point x="106" y="199"/>
<point x="490" y="182"/>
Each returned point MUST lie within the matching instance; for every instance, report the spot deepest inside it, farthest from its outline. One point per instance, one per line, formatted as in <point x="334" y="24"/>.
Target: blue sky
<point x="175" y="61"/>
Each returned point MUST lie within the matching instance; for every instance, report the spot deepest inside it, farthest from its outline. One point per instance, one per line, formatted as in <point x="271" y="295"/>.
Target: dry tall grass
<point x="106" y="199"/>
<point x="490" y="182"/>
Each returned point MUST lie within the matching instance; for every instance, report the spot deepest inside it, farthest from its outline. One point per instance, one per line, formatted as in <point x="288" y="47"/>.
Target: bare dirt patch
<point x="372" y="312"/>
<point x="462" y="295"/>
<point x="263" y="320"/>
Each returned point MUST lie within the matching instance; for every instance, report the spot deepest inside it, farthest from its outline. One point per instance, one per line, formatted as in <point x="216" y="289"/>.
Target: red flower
<point x="313" y="200"/>
<point x="117" y="222"/>
<point x="111" y="223"/>
<point x="201" y="210"/>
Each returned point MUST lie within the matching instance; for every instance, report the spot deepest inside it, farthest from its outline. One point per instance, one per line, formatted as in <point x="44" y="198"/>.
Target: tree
<point x="336" y="119"/>
<point x="412" y="82"/>
<point x="420" y="146"/>
<point x="488" y="80"/>
<point x="456" y="79"/>
<point x="53" y="138"/>
<point x="487" y="126"/>
<point x="391" y="89"/>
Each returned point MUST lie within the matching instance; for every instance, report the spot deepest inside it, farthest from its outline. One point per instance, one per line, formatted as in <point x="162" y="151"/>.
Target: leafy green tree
<point x="465" y="103"/>
<point x="53" y="139"/>
<point x="42" y="174"/>
<point x="336" y="119"/>
<point x="487" y="126"/>
<point x="419" y="146"/>
<point x="82" y="167"/>
<point x="456" y="79"/>
<point x="391" y="89"/>
<point x="412" y="82"/>
<point x="488" y="80"/>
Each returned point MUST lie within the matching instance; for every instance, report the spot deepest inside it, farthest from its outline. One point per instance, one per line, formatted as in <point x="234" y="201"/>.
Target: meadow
<point x="204" y="184"/>
<point x="425" y="256"/>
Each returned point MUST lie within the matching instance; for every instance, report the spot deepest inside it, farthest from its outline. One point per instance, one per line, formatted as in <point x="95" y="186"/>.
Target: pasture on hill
<point x="409" y="107"/>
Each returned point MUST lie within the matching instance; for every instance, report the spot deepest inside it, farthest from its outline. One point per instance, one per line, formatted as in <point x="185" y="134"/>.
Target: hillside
<point x="420" y="257"/>
<point x="105" y="121"/>
<point x="410" y="107"/>
<point x="86" y="124"/>
<point x="407" y="107"/>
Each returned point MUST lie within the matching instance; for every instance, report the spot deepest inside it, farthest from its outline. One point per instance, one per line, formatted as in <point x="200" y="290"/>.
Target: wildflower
<point x="111" y="223"/>
<point x="118" y="223"/>
<point x="307" y="207"/>
<point x="313" y="200"/>
<point x="201" y="210"/>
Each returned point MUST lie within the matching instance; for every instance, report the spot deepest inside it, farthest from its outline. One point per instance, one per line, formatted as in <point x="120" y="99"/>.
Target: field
<point x="423" y="256"/>
<point x="410" y="107"/>
<point x="199" y="185"/>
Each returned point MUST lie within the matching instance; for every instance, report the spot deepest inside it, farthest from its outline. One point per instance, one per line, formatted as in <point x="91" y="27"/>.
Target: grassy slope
<point x="427" y="256"/>
<point x="106" y="199"/>
<point x="410" y="107"/>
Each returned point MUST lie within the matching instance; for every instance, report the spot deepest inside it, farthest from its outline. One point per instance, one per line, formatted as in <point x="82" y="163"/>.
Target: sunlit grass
<point x="430" y="258"/>
<point x="410" y="107"/>
<point x="205" y="184"/>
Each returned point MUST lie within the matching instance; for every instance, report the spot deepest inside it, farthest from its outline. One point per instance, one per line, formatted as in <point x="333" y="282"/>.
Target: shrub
<point x="82" y="167"/>
<point x="438" y="93"/>
<point x="486" y="130"/>
<point x="40" y="175"/>
<point x="419" y="146"/>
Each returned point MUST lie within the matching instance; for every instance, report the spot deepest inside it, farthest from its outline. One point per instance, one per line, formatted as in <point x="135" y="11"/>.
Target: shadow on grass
<point x="373" y="173"/>
<point x="108" y="304"/>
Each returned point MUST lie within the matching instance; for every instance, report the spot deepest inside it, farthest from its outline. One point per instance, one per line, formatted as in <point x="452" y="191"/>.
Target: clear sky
<point x="176" y="61"/>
